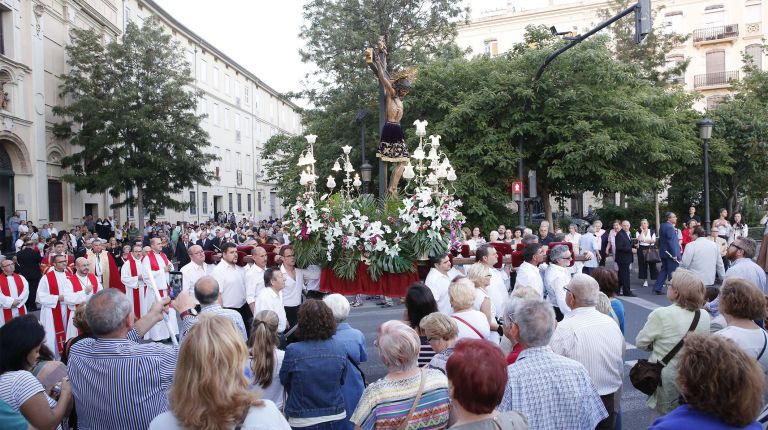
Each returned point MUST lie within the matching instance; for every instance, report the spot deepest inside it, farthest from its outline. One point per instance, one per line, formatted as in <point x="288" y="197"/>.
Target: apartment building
<point x="720" y="31"/>
<point x="243" y="113"/>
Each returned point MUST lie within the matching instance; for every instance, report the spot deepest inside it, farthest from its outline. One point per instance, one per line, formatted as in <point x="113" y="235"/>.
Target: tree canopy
<point x="132" y="119"/>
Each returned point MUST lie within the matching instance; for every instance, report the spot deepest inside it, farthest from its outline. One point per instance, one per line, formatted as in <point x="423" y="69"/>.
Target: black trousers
<point x="608" y="423"/>
<point x="643" y="267"/>
<point x="245" y="312"/>
<point x="292" y="315"/>
<point x="624" y="277"/>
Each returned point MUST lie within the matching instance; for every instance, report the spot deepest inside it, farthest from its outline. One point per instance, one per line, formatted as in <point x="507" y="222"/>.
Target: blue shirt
<point x="354" y="342"/>
<point x="618" y="309"/>
<point x="553" y="391"/>
<point x="747" y="269"/>
<point x="684" y="417"/>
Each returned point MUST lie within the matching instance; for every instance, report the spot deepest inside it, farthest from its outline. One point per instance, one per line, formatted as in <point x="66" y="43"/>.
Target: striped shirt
<point x="594" y="340"/>
<point x="385" y="403"/>
<point x="120" y="383"/>
<point x="425" y="352"/>
<point x="16" y="387"/>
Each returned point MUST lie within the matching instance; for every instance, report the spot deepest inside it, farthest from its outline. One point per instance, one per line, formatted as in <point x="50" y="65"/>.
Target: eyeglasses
<point x="287" y="255"/>
<point x="736" y="246"/>
<point x="568" y="290"/>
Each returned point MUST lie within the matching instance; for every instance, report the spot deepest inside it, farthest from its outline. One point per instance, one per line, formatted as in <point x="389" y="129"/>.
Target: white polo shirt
<point x="231" y="284"/>
<point x="269" y="300"/>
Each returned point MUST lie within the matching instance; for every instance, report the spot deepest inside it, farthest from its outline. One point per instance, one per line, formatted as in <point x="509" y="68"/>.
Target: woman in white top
<point x="476" y="239"/>
<point x="723" y="226"/>
<point x="739" y="226"/>
<point x="266" y="359"/>
<point x="20" y="342"/>
<point x="210" y="390"/>
<point x="574" y="237"/>
<point x="645" y="239"/>
<point x="480" y="275"/>
<point x="741" y="302"/>
<point x="472" y="324"/>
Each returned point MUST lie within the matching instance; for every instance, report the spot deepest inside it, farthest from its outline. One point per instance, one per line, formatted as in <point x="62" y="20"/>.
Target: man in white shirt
<point x="98" y="261"/>
<point x="157" y="267"/>
<point x="702" y="257"/>
<point x="57" y="300"/>
<point x="294" y="284"/>
<point x="232" y="283"/>
<point x="557" y="278"/>
<point x="206" y="291"/>
<point x="271" y="297"/>
<point x="497" y="291"/>
<point x="194" y="270"/>
<point x="254" y="276"/>
<point x="528" y="274"/>
<point x="14" y="290"/>
<point x="132" y="275"/>
<point x="438" y="279"/>
<point x="594" y="340"/>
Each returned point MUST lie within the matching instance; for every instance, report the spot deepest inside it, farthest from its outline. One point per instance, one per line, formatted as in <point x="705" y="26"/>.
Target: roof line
<point x="204" y="43"/>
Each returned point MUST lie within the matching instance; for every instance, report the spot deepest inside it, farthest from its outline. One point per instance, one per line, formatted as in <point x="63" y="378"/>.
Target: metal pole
<point x="527" y="105"/>
<point x="707" y="221"/>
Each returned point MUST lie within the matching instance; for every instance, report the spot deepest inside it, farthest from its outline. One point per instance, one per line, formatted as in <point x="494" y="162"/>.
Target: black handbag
<point x="646" y="376"/>
<point x="651" y="254"/>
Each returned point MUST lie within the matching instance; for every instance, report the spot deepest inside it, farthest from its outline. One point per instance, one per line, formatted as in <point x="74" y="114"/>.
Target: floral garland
<point x="341" y="233"/>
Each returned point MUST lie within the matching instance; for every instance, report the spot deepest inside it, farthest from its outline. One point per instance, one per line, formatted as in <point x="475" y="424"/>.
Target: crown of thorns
<point x="406" y="76"/>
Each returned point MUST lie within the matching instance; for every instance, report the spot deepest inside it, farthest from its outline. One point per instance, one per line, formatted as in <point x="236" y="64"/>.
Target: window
<point x="237" y="122"/>
<point x="673" y="23"/>
<point x="715" y="62"/>
<point x="216" y="114"/>
<point x="672" y="62"/>
<point x="204" y="108"/>
<point x="756" y="52"/>
<point x="753" y="13"/>
<point x="203" y="71"/>
<point x="129" y="210"/>
<point x="239" y="202"/>
<point x="258" y="200"/>
<point x="245" y="93"/>
<point x="714" y="15"/>
<point x="226" y="118"/>
<point x="205" y="203"/>
<point x="55" y="201"/>
<point x="714" y="101"/>
<point x="192" y="203"/>
<point x="228" y="160"/>
<point x="190" y="57"/>
<point x="248" y="199"/>
<point x="216" y="77"/>
<point x="226" y="84"/>
<point x="231" y="206"/>
<point x="247" y="126"/>
<point x="491" y="48"/>
<point x="237" y="88"/>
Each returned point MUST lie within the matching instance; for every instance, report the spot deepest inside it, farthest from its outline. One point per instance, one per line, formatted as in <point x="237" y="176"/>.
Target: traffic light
<point x="517" y="190"/>
<point x="643" y="21"/>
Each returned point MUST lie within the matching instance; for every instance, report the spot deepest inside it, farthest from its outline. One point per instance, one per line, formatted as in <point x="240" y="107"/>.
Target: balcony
<point x="715" y="80"/>
<point x="720" y="33"/>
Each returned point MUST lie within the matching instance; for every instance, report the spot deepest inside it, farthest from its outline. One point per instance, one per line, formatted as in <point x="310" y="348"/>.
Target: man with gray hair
<point x="588" y="247"/>
<point x="594" y="340"/>
<point x="207" y="293"/>
<point x="553" y="391"/>
<point x="740" y="253"/>
<point x="117" y="381"/>
<point x="556" y="278"/>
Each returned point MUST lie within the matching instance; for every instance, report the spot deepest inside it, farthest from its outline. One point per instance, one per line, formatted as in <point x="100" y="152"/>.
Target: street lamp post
<point x="365" y="168"/>
<point x="705" y="132"/>
<point x="365" y="172"/>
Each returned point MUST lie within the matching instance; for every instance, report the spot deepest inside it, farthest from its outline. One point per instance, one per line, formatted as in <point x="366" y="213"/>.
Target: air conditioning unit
<point x="733" y="28"/>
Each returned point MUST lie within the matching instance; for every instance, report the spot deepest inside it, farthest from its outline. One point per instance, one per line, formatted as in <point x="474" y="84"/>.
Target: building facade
<point x="720" y="32"/>
<point x="242" y="114"/>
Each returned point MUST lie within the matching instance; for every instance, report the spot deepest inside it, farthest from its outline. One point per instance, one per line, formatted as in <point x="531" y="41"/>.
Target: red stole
<point x="6" y="290"/>
<point x="136" y="297"/>
<point x="153" y="261"/>
<point x="60" y="331"/>
<point x="77" y="286"/>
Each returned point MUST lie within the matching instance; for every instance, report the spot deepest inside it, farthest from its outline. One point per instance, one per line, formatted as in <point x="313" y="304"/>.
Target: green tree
<point x="132" y="119"/>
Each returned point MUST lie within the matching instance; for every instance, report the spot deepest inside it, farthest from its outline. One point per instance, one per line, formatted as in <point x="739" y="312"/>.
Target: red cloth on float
<point x="388" y="284"/>
<point x="114" y="275"/>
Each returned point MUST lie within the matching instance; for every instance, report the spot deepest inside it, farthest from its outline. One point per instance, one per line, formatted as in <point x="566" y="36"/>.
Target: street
<point x="635" y="414"/>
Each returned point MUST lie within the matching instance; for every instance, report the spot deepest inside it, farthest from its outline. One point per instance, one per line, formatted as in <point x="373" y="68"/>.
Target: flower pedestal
<point x="388" y="284"/>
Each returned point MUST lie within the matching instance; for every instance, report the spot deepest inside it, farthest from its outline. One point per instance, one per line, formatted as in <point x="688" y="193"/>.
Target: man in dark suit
<point x="668" y="245"/>
<point x="182" y="250"/>
<point x="624" y="258"/>
<point x="29" y="260"/>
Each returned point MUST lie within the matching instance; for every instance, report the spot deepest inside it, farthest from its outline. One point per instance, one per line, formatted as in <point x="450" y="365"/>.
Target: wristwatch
<point x="189" y="312"/>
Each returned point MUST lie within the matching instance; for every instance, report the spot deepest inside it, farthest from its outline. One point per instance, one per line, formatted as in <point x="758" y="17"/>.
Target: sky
<point x="262" y="36"/>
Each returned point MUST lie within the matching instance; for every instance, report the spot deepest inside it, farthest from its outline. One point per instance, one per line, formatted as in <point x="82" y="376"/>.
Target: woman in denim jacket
<point x="313" y="372"/>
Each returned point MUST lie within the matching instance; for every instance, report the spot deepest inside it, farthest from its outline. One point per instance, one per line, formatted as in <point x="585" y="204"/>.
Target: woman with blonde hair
<point x="664" y="329"/>
<point x="266" y="359"/>
<point x="210" y="390"/>
<point x="442" y="333"/>
<point x="472" y="323"/>
<point x="741" y="303"/>
<point x="480" y="275"/>
<point x="721" y="385"/>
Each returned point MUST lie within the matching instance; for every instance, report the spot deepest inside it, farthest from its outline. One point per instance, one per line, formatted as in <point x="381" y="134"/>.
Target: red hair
<point x="477" y="371"/>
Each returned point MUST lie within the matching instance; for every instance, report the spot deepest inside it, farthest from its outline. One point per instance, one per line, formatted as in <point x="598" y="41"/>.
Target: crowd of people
<point x="488" y="345"/>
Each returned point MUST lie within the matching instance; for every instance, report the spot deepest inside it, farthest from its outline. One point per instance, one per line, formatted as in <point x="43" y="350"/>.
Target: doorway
<point x="218" y="205"/>
<point x="6" y="197"/>
<point x="92" y="209"/>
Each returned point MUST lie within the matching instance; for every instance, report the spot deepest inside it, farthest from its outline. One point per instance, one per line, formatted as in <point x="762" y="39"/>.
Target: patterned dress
<point x="385" y="403"/>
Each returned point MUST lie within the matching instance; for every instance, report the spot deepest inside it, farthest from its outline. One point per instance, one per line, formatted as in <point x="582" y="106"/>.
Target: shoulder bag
<point x="470" y="326"/>
<point x="646" y="376"/>
<point x="651" y="254"/>
<point x="420" y="391"/>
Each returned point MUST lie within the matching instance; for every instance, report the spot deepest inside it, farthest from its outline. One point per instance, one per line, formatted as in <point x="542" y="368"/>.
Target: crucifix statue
<point x="392" y="147"/>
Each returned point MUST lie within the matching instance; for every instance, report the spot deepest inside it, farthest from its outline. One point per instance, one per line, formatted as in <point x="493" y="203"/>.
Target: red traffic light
<point x="517" y="187"/>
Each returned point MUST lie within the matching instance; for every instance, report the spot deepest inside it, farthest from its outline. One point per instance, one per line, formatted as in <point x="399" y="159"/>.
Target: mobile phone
<point x="174" y="284"/>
